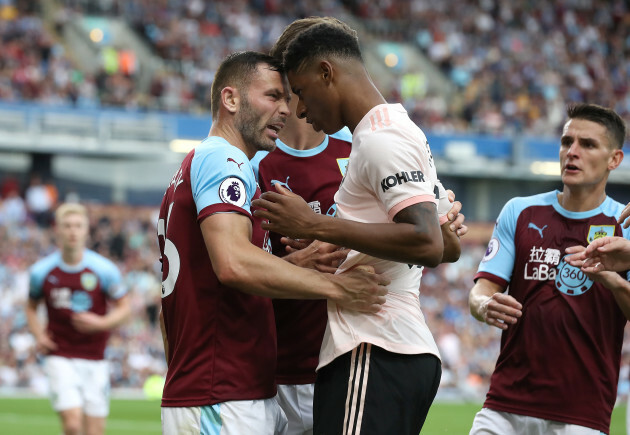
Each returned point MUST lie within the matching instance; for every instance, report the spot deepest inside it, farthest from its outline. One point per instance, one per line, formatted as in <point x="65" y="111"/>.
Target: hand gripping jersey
<point x="560" y="361"/>
<point x="390" y="168"/>
<point x="315" y="175"/>
<point x="73" y="289"/>
<point x="222" y="342"/>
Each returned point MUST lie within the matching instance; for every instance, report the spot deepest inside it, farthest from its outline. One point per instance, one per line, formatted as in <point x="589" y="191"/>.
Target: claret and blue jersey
<point x="73" y="289"/>
<point x="222" y="342"/>
<point x="567" y="343"/>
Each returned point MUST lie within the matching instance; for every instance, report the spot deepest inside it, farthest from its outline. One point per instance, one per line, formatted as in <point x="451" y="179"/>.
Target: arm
<point x="452" y="230"/>
<point x="618" y="286"/>
<point x="625" y="214"/>
<point x="490" y="305"/>
<point x="43" y="342"/>
<point x="317" y="255"/>
<point x="239" y="264"/>
<point x="607" y="253"/>
<point x="88" y="322"/>
<point x="414" y="238"/>
<point x="164" y="339"/>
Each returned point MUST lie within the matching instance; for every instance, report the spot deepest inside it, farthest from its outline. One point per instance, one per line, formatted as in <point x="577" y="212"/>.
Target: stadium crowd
<point x="514" y="64"/>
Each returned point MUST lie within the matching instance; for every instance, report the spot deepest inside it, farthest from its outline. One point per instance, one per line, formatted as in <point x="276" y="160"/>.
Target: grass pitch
<point x="140" y="417"/>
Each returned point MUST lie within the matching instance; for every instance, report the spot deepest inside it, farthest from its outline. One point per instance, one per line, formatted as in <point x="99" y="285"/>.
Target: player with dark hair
<point x="76" y="285"/>
<point x="563" y="328"/>
<point x="310" y="164"/>
<point x="377" y="372"/>
<point x="217" y="317"/>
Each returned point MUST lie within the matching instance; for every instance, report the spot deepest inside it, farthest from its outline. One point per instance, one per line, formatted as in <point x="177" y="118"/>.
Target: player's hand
<point x="360" y="289"/>
<point x="500" y="310"/>
<point x="287" y="213"/>
<point x="455" y="218"/>
<point x="44" y="344"/>
<point x="625" y="214"/>
<point x="605" y="254"/>
<point x="292" y="245"/>
<point x="88" y="322"/>
<point x="321" y="256"/>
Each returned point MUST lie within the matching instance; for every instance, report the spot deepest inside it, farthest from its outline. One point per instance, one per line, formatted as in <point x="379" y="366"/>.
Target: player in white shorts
<point x="76" y="285"/>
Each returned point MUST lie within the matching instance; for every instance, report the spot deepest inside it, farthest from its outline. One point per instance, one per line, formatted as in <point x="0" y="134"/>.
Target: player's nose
<point x="300" y="110"/>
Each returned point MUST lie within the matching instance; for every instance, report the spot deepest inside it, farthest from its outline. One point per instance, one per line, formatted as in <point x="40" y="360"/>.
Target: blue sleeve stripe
<point x="38" y="273"/>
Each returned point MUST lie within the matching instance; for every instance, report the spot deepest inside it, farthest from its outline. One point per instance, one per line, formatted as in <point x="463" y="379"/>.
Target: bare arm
<point x="239" y="264"/>
<point x="618" y="286"/>
<point x="43" y="341"/>
<point x="490" y="305"/>
<point x="88" y="322"/>
<point x="600" y="271"/>
<point x="414" y="238"/>
<point x="321" y="256"/>
<point x="452" y="230"/>
<point x="607" y="253"/>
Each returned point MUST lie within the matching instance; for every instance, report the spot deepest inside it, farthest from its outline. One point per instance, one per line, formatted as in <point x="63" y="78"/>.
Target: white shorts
<point x="490" y="422"/>
<point x="297" y="403"/>
<point x="78" y="383"/>
<point x="238" y="417"/>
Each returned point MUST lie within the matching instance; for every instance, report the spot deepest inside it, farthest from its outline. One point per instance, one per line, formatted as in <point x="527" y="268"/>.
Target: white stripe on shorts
<point x="357" y="386"/>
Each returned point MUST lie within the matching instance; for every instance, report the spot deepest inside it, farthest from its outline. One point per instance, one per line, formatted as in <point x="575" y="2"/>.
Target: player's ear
<point x="230" y="99"/>
<point x="326" y="72"/>
<point x="615" y="159"/>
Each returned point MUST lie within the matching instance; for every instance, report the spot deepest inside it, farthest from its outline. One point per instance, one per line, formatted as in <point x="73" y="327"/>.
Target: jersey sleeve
<point x="498" y="262"/>
<point x="36" y="279"/>
<point x="399" y="171"/>
<point x="113" y="283"/>
<point x="222" y="180"/>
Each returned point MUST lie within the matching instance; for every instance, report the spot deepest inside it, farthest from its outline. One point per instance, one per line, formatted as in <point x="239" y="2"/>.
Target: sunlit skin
<point x="586" y="159"/>
<point x="258" y="112"/>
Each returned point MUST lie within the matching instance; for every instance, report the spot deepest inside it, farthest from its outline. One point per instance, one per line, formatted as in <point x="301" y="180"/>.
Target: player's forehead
<point x="73" y="218"/>
<point x="577" y="128"/>
<point x="267" y="79"/>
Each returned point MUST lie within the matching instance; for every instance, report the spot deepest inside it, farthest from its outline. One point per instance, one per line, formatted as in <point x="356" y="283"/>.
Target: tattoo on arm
<point x="420" y="215"/>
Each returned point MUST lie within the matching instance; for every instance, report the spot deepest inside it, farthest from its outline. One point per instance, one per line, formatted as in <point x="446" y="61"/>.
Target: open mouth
<point x="275" y="129"/>
<point x="570" y="167"/>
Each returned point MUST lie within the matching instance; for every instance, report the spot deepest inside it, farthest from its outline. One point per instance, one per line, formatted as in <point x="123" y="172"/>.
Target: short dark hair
<point x="237" y="70"/>
<point x="322" y="40"/>
<point x="295" y="28"/>
<point x="615" y="126"/>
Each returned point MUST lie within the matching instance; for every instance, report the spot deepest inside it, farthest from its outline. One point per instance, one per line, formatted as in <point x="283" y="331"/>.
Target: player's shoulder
<point x="388" y="124"/>
<point x="520" y="203"/>
<point x="216" y="157"/>
<point x="99" y="263"/>
<point x="44" y="265"/>
<point x="611" y="207"/>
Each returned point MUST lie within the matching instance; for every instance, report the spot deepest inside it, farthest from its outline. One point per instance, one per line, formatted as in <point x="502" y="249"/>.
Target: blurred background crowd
<point x="513" y="66"/>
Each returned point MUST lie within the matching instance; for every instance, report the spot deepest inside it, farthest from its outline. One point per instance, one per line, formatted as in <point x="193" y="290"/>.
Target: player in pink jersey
<point x="563" y="327"/>
<point x="310" y="164"/>
<point x="217" y="313"/>
<point x="76" y="285"/>
<point x="377" y="373"/>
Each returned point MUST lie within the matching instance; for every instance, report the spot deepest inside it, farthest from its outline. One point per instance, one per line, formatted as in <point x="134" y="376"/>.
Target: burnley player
<point x="378" y="373"/>
<point x="563" y="329"/>
<point x="76" y="285"/>
<point x="217" y="281"/>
